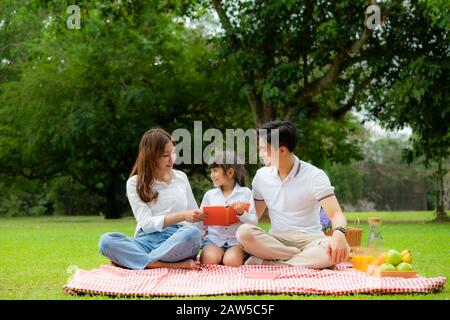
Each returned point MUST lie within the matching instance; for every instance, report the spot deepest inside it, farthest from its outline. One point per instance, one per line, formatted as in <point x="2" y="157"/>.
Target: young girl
<point x="220" y="245"/>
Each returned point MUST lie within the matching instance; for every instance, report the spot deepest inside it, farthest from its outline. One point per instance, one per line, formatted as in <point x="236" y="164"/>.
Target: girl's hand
<point x="239" y="207"/>
<point x="194" y="216"/>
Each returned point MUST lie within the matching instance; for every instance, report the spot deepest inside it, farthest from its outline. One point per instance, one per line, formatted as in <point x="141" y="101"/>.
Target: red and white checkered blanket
<point x="218" y="279"/>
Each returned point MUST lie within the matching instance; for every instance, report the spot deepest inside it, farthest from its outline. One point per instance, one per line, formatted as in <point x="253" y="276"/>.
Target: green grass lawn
<point x="392" y="217"/>
<point x="35" y="253"/>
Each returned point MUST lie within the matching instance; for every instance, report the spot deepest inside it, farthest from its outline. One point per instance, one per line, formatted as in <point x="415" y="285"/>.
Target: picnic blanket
<point x="218" y="279"/>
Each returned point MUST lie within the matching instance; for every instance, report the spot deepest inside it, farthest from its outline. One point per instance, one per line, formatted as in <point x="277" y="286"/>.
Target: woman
<point x="163" y="204"/>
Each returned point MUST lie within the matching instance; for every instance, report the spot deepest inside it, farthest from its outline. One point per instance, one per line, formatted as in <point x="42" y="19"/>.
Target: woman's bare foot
<point x="185" y="264"/>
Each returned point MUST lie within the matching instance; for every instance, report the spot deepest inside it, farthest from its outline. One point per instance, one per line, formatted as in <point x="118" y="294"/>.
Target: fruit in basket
<point x="372" y="270"/>
<point x="404" y="266"/>
<point x="406" y="256"/>
<point x="393" y="257"/>
<point x="387" y="267"/>
<point x="379" y="260"/>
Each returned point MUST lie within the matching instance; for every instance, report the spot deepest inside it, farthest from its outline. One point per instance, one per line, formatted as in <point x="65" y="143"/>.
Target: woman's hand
<point x="194" y="216"/>
<point x="338" y="248"/>
<point x="239" y="207"/>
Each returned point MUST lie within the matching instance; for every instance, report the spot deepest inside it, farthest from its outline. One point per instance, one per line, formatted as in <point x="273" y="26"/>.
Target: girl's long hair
<point x="151" y="148"/>
<point x="227" y="160"/>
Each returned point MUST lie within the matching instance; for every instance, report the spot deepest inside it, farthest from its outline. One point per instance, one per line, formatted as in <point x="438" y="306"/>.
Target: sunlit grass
<point x="35" y="254"/>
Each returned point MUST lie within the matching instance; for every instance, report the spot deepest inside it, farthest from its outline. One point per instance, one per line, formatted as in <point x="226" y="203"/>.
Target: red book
<point x="220" y="215"/>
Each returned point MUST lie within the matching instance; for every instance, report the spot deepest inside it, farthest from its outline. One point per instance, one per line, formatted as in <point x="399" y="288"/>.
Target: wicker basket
<point x="352" y="235"/>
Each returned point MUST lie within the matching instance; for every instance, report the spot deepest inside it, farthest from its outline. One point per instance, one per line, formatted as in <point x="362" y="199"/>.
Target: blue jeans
<point x="174" y="243"/>
<point x="206" y="241"/>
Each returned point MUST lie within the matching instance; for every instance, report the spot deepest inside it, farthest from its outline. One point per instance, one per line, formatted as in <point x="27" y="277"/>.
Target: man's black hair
<point x="286" y="132"/>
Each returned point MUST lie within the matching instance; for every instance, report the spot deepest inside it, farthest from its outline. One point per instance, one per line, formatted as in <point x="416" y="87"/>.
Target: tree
<point x="310" y="62"/>
<point x="18" y="26"/>
<point x="418" y="93"/>
<point x="85" y="97"/>
<point x="291" y="53"/>
<point x="421" y="100"/>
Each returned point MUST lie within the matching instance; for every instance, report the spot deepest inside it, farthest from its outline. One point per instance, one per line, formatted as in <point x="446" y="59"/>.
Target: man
<point x="293" y="191"/>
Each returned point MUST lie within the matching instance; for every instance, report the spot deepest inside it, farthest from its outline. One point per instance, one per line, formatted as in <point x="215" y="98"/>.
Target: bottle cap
<point x="374" y="220"/>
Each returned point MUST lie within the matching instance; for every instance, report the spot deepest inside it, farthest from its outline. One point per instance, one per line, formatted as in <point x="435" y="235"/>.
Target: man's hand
<point x="194" y="216"/>
<point x="338" y="248"/>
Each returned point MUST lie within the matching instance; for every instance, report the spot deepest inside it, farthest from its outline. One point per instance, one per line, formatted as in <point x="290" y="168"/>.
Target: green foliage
<point x="324" y="141"/>
<point x="21" y="197"/>
<point x="382" y="180"/>
<point x="200" y="184"/>
<point x="283" y="51"/>
<point x="67" y="197"/>
<point x="417" y="88"/>
<point x="348" y="183"/>
<point x="417" y="93"/>
<point x="74" y="103"/>
<point x="18" y="27"/>
<point x="86" y="96"/>
<point x="439" y="10"/>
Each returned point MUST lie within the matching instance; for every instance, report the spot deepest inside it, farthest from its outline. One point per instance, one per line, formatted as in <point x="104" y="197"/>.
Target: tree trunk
<point x="112" y="208"/>
<point x="441" y="215"/>
<point x="262" y="112"/>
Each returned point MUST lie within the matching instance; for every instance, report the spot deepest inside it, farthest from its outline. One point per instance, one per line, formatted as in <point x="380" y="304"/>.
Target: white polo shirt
<point x="293" y="204"/>
<point x="174" y="196"/>
<point x="220" y="235"/>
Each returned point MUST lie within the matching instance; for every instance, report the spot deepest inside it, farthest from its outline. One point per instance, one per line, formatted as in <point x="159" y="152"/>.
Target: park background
<point x="371" y="106"/>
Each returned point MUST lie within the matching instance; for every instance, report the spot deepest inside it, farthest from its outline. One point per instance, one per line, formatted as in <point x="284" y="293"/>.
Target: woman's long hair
<point x="228" y="160"/>
<point x="151" y="148"/>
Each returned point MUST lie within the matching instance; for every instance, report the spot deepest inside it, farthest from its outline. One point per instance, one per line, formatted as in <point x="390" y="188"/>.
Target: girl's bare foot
<point x="185" y="264"/>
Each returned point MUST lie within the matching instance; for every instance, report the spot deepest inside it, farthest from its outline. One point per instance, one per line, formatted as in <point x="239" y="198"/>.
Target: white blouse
<point x="220" y="235"/>
<point x="174" y="196"/>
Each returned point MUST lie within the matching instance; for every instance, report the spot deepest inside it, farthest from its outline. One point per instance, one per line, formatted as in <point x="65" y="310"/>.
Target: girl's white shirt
<point x="220" y="235"/>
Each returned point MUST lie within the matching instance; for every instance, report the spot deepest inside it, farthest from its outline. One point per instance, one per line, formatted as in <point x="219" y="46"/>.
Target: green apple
<point x="404" y="266"/>
<point x="387" y="267"/>
<point x="393" y="257"/>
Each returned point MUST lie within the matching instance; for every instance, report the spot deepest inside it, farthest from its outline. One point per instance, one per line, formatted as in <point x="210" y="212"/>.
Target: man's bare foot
<point x="185" y="264"/>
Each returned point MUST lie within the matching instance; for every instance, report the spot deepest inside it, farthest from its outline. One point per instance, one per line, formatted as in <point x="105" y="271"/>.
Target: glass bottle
<point x="375" y="240"/>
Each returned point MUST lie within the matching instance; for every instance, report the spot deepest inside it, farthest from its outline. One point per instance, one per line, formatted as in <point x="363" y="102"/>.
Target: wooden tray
<point x="400" y="274"/>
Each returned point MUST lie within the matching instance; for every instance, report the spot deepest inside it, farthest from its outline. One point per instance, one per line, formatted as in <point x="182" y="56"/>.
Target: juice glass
<point x="362" y="258"/>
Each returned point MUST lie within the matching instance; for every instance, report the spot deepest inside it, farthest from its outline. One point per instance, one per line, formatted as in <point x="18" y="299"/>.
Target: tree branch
<point x="86" y="185"/>
<point x="226" y="24"/>
<point x="14" y="172"/>
<point x="351" y="102"/>
<point x="305" y="70"/>
<point x="222" y="15"/>
<point x="255" y="106"/>
<point x="336" y="66"/>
